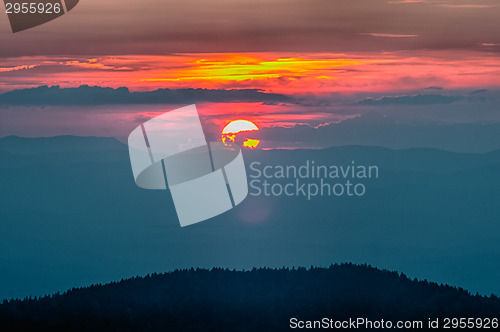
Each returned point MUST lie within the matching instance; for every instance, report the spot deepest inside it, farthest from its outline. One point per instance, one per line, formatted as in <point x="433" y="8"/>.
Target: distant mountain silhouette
<point x="43" y="145"/>
<point x="260" y="299"/>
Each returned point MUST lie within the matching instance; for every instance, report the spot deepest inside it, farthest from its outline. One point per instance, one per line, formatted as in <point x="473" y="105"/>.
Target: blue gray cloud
<point x="93" y="95"/>
<point x="420" y="99"/>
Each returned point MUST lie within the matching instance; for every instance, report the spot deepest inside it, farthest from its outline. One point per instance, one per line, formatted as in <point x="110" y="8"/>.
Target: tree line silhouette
<point x="259" y="299"/>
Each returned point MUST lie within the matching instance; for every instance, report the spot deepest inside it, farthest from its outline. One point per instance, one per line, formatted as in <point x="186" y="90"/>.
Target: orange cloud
<point x="286" y="73"/>
<point x="238" y="67"/>
<point x="20" y="67"/>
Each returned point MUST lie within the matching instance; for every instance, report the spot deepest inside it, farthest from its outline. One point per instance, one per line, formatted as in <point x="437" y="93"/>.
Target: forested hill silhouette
<point x="265" y="299"/>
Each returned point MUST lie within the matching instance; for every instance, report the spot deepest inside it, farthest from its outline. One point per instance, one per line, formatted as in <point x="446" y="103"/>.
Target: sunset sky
<point x="316" y="61"/>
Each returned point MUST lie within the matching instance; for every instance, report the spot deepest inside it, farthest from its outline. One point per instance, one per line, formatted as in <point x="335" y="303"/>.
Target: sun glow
<point x="251" y="143"/>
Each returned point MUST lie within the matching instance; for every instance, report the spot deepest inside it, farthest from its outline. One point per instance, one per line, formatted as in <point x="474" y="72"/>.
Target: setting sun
<point x="232" y="134"/>
<point x="239" y="125"/>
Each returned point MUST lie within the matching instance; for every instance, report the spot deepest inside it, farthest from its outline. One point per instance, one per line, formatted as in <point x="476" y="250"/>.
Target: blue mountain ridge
<point x="71" y="215"/>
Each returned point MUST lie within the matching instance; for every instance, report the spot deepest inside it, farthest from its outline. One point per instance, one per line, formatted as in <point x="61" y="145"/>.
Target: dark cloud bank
<point x="375" y="129"/>
<point x="161" y="27"/>
<point x="92" y="95"/>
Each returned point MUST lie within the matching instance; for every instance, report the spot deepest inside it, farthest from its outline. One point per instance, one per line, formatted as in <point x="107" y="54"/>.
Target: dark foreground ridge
<point x="265" y="299"/>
